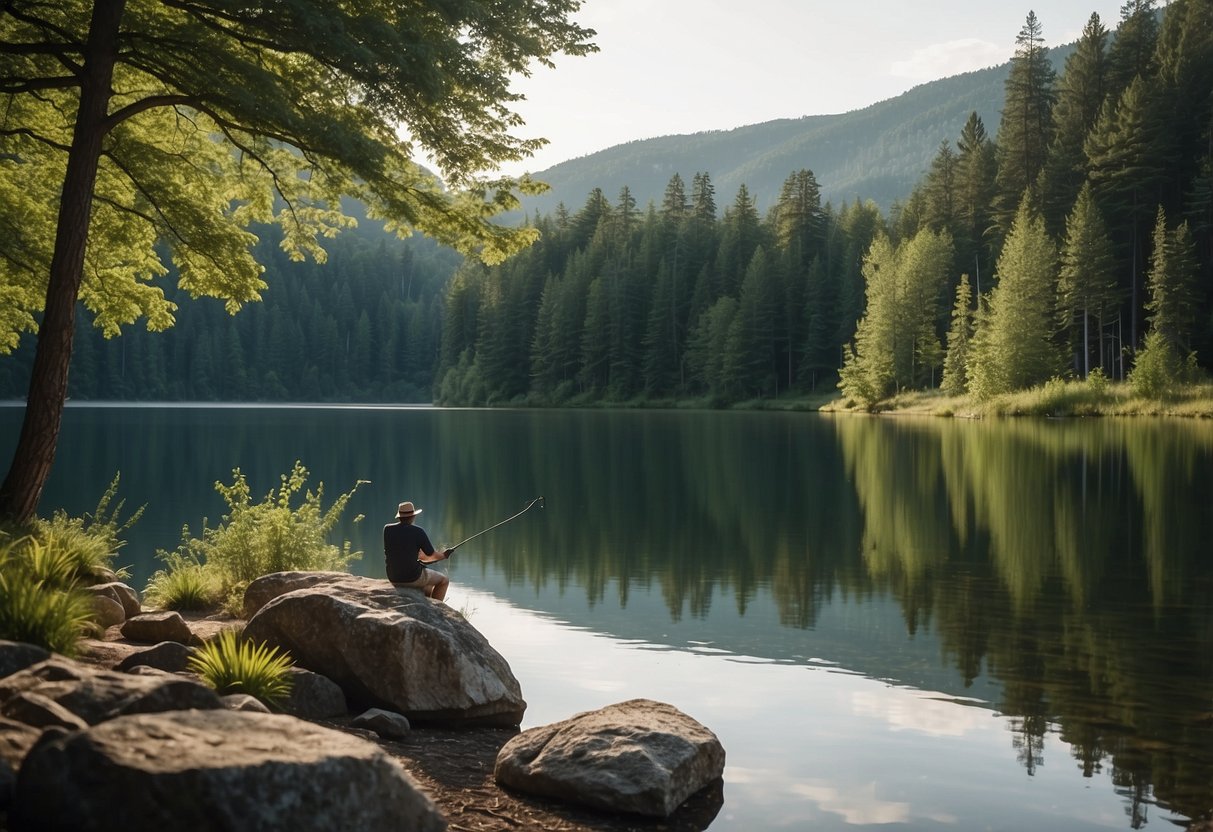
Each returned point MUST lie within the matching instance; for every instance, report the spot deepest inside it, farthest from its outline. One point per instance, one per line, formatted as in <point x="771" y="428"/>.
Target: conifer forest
<point x="1074" y="237"/>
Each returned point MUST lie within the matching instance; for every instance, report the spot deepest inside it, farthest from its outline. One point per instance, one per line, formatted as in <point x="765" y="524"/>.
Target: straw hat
<point x="406" y="510"/>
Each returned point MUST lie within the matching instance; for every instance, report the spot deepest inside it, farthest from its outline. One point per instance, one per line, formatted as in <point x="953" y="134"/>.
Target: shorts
<point x="427" y="579"/>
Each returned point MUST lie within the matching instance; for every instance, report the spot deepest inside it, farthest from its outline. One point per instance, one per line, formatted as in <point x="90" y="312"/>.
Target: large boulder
<point x="397" y="651"/>
<point x="268" y="587"/>
<point x="97" y="695"/>
<point x="220" y="770"/>
<point x="637" y="756"/>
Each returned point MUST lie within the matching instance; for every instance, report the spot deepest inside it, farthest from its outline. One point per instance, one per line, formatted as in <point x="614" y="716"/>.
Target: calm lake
<point x="929" y="624"/>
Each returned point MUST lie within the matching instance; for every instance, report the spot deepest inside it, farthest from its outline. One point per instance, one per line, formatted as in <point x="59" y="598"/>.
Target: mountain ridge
<point x="878" y="152"/>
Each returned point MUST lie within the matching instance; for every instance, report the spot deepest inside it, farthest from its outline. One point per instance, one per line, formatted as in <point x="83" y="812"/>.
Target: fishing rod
<point x="525" y="509"/>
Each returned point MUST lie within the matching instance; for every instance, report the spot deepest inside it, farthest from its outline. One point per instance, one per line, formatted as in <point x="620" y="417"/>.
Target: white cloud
<point x="940" y="60"/>
<point x="921" y="714"/>
<point x="858" y="806"/>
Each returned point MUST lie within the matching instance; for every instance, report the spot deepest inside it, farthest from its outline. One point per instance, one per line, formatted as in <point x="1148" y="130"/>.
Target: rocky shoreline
<point x="451" y="761"/>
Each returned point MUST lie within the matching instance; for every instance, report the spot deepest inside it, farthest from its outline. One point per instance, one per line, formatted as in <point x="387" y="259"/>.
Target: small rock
<point x="244" y="702"/>
<point x="38" y="711"/>
<point x="155" y="627"/>
<point x="123" y="594"/>
<point x="313" y="696"/>
<point x="106" y="611"/>
<point x="167" y="655"/>
<point x="387" y="724"/>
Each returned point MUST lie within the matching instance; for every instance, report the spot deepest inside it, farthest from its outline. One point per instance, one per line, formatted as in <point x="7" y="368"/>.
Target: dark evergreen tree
<point x="1025" y="130"/>
<point x="1081" y="93"/>
<point x="1087" y="284"/>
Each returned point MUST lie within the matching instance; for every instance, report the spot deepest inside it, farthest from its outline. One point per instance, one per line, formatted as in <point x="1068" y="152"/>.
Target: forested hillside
<point x="876" y="153"/>
<point x="362" y="327"/>
<point x="1059" y="241"/>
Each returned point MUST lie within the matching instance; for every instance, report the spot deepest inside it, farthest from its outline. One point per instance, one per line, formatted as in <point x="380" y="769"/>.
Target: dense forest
<point x="364" y="326"/>
<point x="1061" y="244"/>
<point x="1051" y="248"/>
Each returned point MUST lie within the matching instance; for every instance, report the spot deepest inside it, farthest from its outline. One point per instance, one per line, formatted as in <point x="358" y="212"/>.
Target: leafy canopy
<point x="227" y="114"/>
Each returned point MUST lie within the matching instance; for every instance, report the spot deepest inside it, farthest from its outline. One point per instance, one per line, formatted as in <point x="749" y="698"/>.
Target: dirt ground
<point x="455" y="767"/>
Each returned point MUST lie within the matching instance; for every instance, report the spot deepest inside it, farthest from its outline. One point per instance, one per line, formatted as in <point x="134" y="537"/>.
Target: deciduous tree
<point x="134" y="124"/>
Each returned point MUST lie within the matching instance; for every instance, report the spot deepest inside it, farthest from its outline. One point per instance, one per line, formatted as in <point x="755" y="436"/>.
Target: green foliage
<point x="184" y="583"/>
<point x="1171" y="280"/>
<point x="960" y="335"/>
<point x="1097" y="382"/>
<point x="895" y="343"/>
<point x="232" y="665"/>
<point x="1159" y="370"/>
<point x="1013" y="347"/>
<point x="39" y="601"/>
<point x="86" y="544"/>
<point x="255" y="539"/>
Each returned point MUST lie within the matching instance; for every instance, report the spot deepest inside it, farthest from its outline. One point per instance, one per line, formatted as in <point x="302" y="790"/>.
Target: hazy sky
<point x="683" y="66"/>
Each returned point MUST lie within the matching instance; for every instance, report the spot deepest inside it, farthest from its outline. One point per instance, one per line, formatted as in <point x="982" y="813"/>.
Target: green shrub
<point x="1097" y="382"/>
<point x="1157" y="370"/>
<point x="232" y="665"/>
<point x="36" y="607"/>
<point x="255" y="539"/>
<point x="92" y="541"/>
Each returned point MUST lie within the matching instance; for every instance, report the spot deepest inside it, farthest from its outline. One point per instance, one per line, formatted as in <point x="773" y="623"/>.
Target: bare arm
<point x="434" y="558"/>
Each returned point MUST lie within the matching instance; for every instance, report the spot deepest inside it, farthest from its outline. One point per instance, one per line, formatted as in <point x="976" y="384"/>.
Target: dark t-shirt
<point x="400" y="544"/>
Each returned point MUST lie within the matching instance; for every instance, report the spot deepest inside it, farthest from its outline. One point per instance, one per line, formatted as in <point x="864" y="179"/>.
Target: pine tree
<point x="740" y="238"/>
<point x="750" y="361"/>
<point x="1126" y="150"/>
<point x="976" y="167"/>
<point x="1087" y="281"/>
<point x="1013" y="347"/>
<point x="960" y="335"/>
<point x="942" y="203"/>
<point x="1025" y="130"/>
<point x="1133" y="51"/>
<point x="1171" y="282"/>
<point x="1080" y="97"/>
<point x="674" y="203"/>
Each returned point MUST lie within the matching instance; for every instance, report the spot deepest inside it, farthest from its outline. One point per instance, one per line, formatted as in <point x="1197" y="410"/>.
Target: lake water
<point x="928" y="624"/>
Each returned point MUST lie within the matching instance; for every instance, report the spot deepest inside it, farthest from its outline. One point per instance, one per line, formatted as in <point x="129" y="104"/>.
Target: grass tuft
<point x="233" y="665"/>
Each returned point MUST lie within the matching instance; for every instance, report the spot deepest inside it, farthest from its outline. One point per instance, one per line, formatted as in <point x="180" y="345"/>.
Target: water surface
<point x="919" y="623"/>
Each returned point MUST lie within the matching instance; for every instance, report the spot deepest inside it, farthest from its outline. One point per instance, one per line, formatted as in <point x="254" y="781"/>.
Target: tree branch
<point x="151" y="102"/>
<point x="25" y="131"/>
<point x="16" y="86"/>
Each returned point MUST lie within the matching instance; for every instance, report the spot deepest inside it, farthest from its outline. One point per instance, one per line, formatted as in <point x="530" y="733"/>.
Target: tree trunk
<point x="31" y="465"/>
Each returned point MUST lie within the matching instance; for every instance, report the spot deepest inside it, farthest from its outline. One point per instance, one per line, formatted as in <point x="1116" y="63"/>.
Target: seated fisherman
<point x="407" y="550"/>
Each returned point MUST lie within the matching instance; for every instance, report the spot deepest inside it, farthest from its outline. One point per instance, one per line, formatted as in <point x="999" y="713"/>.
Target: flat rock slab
<point x="637" y="756"/>
<point x="155" y="627"/>
<point x="215" y="770"/>
<point x="96" y="695"/>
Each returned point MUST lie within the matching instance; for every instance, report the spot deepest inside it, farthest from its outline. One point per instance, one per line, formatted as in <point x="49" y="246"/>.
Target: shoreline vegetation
<point x="1057" y="398"/>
